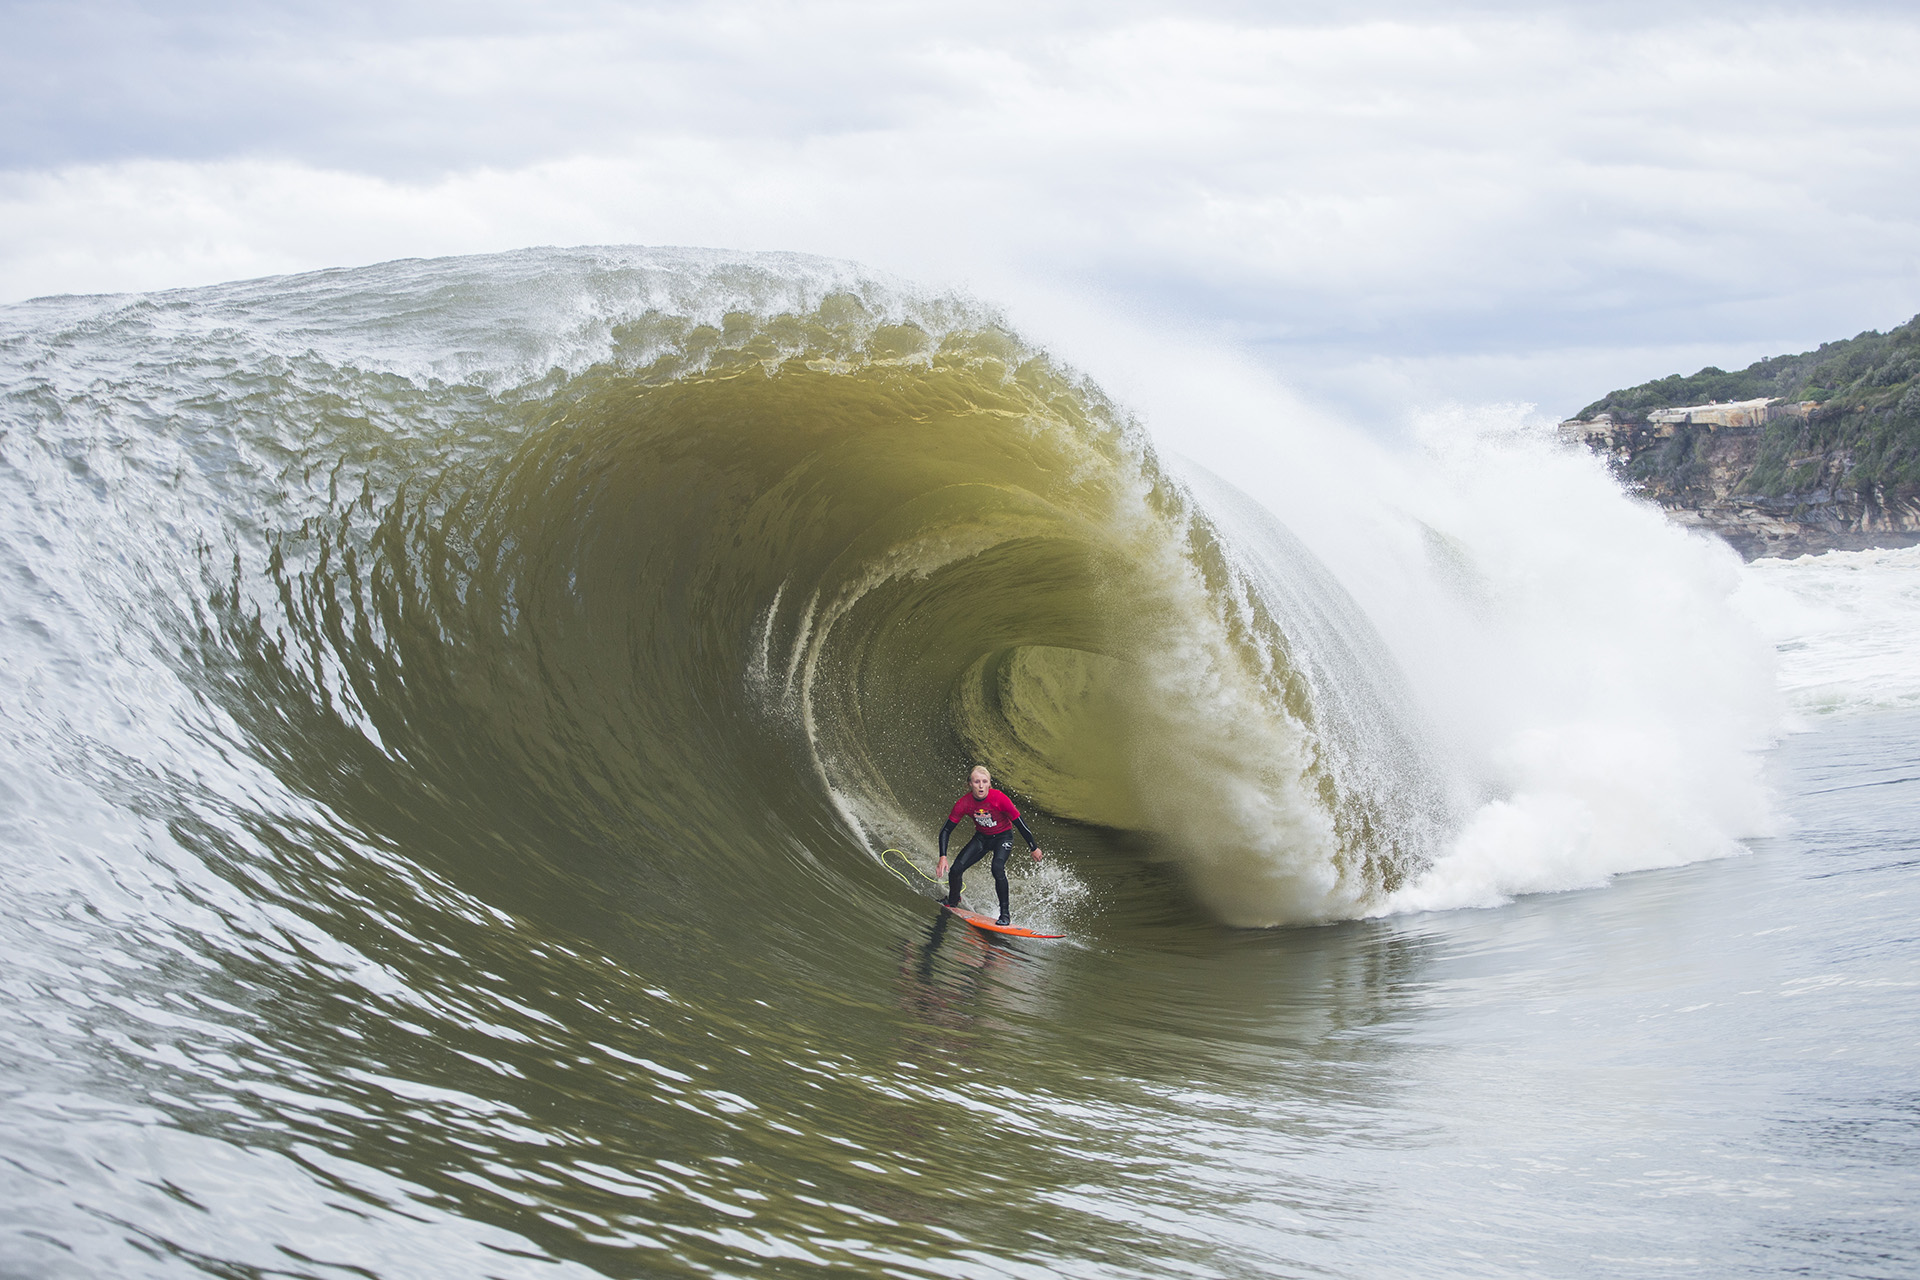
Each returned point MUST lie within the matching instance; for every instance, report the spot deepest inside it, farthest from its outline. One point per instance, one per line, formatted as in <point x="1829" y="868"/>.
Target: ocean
<point x="455" y="711"/>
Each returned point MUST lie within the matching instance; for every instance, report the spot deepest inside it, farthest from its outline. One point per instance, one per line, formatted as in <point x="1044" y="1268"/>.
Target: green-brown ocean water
<point x="453" y="712"/>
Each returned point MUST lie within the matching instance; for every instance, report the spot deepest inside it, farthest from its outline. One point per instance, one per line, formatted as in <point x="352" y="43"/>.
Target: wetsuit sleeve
<point x="944" y="833"/>
<point x="1020" y="825"/>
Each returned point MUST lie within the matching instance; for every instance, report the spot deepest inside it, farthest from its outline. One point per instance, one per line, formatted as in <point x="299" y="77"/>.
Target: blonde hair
<point x="980" y="768"/>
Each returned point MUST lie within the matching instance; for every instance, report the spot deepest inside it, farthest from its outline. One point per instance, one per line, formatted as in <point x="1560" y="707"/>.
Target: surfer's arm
<point x="1020" y="825"/>
<point x="944" y="833"/>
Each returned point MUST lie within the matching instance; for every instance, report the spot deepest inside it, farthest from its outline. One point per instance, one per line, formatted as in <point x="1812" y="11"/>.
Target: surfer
<point x="994" y="820"/>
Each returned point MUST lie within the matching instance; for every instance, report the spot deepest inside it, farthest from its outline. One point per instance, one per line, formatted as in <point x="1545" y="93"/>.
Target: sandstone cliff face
<point x="1699" y="470"/>
<point x="1818" y="451"/>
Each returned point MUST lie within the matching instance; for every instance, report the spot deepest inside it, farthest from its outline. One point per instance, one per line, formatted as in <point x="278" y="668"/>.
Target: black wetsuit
<point x="1001" y="842"/>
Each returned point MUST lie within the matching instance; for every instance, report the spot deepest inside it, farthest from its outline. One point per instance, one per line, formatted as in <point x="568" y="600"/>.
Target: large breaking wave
<point x="726" y="553"/>
<point x="453" y="710"/>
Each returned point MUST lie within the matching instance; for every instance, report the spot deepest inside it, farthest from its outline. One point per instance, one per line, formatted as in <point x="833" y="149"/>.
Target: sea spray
<point x="1599" y="699"/>
<point x="1608" y="695"/>
<point x="1846" y="625"/>
<point x="1580" y="668"/>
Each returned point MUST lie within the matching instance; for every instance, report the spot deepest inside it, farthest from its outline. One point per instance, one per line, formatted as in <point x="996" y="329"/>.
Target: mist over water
<point x="454" y="710"/>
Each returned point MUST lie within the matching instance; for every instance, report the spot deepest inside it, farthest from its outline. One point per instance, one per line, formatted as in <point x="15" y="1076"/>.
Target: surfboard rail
<point x="979" y="921"/>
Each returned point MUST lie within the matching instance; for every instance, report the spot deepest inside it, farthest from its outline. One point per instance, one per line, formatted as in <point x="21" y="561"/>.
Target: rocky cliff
<point x="1794" y="454"/>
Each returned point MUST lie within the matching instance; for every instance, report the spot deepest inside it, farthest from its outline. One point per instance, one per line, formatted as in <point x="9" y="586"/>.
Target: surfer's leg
<point x="975" y="850"/>
<point x="1001" y="849"/>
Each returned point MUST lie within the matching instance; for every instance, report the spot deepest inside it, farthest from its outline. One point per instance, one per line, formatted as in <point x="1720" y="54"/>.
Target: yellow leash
<point x="909" y="863"/>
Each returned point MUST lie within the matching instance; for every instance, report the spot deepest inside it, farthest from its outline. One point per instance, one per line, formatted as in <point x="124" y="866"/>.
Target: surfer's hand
<point x="940" y="868"/>
<point x="1036" y="855"/>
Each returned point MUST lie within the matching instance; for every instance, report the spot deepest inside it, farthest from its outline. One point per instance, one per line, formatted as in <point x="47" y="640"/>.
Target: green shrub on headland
<point x="1850" y="370"/>
<point x="1861" y="435"/>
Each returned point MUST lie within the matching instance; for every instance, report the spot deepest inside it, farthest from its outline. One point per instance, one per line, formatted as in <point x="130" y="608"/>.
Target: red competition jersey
<point x="990" y="816"/>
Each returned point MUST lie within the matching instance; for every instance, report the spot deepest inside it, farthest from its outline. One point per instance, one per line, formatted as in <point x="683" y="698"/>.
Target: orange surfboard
<point x="986" y="922"/>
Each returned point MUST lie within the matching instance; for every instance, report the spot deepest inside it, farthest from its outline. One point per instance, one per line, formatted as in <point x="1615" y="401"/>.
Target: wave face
<point x="454" y="709"/>
<point x="759" y="549"/>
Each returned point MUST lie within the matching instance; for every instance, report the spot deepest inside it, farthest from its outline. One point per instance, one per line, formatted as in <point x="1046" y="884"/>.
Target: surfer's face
<point x="981" y="782"/>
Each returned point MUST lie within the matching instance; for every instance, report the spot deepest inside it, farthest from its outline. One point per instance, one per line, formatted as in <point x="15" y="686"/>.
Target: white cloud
<point x="1441" y="199"/>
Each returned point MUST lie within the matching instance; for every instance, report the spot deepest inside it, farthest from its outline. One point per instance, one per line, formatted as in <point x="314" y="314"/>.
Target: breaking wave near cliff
<point x="456" y="711"/>
<point x="743" y="560"/>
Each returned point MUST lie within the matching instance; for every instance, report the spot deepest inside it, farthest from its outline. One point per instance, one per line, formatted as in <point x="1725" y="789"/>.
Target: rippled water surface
<point x="1707" y="1069"/>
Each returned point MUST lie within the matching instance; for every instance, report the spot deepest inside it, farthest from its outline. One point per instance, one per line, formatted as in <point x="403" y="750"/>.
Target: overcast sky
<point x="1391" y="205"/>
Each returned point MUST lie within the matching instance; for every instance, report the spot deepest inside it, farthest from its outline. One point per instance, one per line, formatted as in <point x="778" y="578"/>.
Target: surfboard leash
<point x="909" y="862"/>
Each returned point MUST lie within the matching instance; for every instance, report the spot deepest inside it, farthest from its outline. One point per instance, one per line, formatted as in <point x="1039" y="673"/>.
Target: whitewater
<point x="454" y="710"/>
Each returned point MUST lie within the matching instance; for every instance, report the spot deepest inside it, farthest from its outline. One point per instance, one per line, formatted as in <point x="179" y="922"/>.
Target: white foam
<point x="1603" y="701"/>
<point x="1590" y="662"/>
<point x="1846" y="626"/>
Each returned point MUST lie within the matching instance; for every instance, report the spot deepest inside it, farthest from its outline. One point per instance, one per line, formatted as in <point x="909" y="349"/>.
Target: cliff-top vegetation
<point x="1863" y="433"/>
